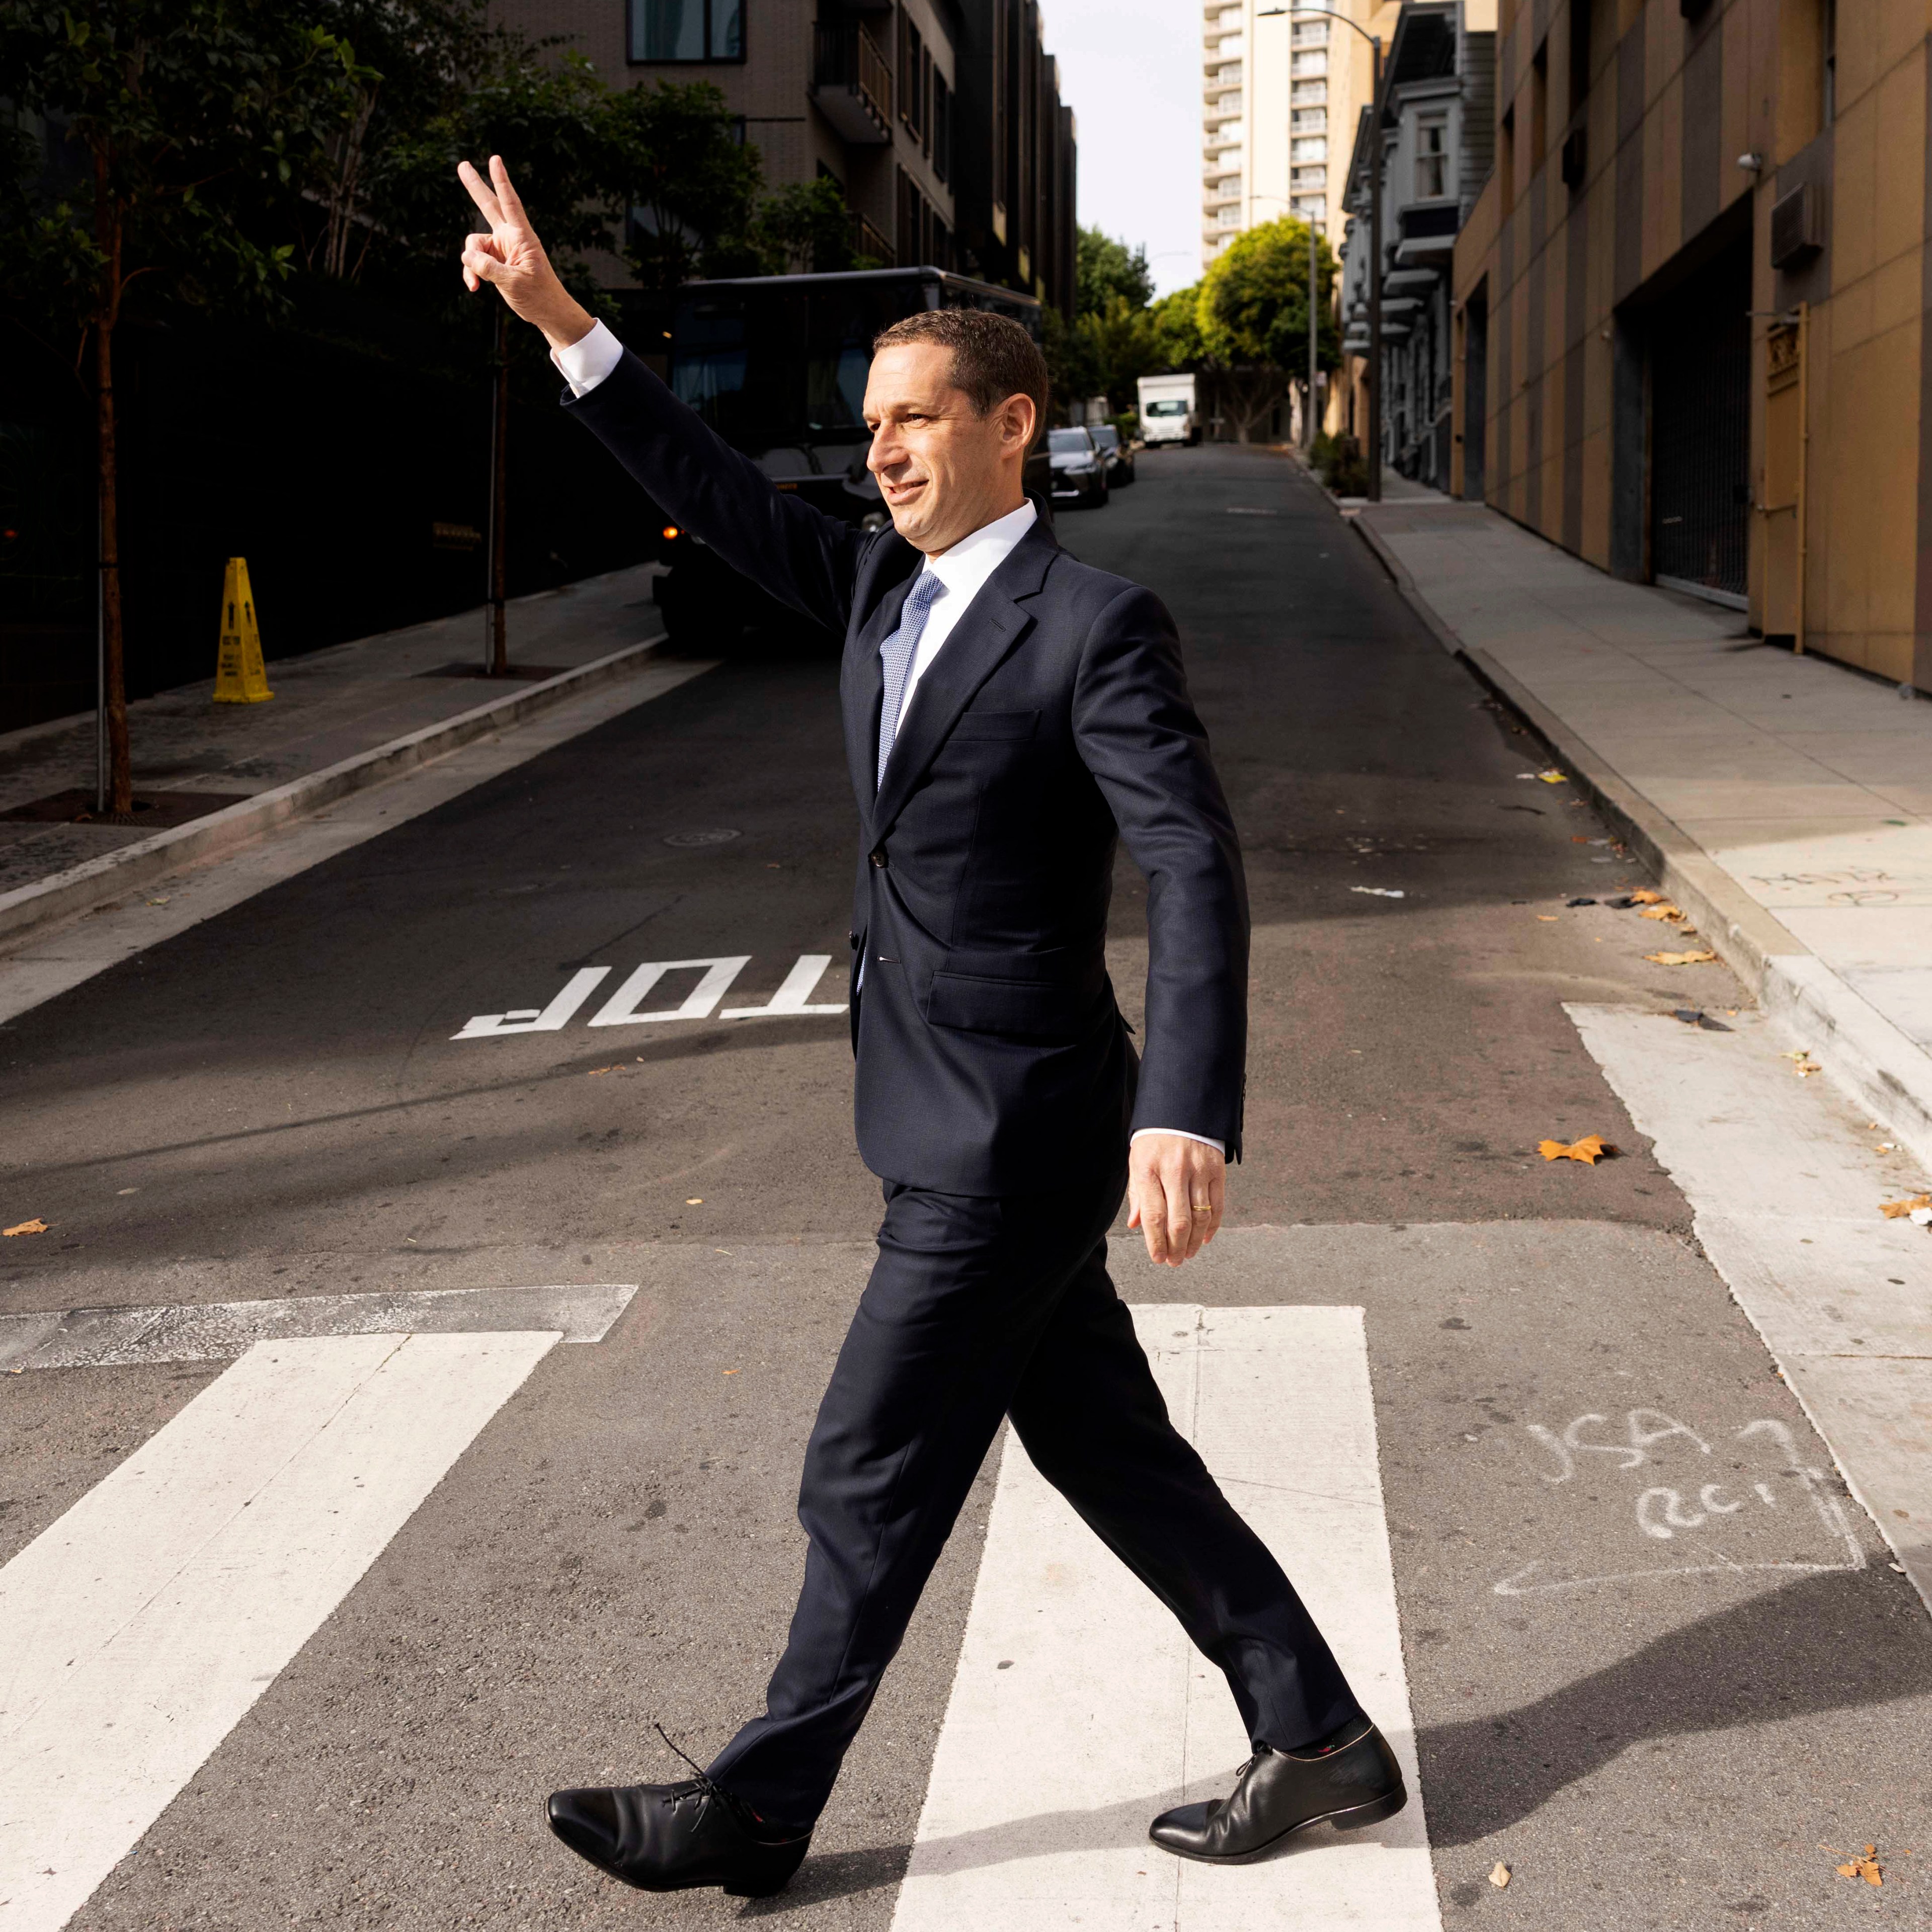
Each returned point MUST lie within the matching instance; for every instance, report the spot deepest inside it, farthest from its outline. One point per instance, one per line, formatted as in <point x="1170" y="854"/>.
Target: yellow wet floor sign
<point x="239" y="678"/>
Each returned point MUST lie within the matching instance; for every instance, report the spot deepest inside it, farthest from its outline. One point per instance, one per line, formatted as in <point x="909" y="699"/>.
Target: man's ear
<point x="1020" y="420"/>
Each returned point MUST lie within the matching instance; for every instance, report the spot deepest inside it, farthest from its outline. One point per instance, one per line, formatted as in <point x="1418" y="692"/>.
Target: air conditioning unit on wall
<point x="1794" y="226"/>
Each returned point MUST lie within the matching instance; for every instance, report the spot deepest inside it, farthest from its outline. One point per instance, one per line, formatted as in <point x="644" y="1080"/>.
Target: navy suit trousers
<point x="981" y="1307"/>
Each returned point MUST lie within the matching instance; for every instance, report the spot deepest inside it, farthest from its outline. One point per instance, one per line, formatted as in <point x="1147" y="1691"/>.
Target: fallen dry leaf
<point x="25" y="1227"/>
<point x="1645" y="896"/>
<point x="1701" y="956"/>
<point x="1499" y="1874"/>
<point x="1866" y="1868"/>
<point x="1553" y="776"/>
<point x="1664" y="909"/>
<point x="1892" y="1211"/>
<point x="1545" y="919"/>
<point x="1590" y="1149"/>
<point x="696" y="1200"/>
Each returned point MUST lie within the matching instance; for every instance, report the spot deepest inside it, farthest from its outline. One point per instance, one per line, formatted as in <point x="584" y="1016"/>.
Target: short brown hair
<point x="993" y="356"/>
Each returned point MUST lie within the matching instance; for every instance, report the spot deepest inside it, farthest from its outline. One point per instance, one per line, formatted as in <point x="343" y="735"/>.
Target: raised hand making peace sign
<point x="512" y="258"/>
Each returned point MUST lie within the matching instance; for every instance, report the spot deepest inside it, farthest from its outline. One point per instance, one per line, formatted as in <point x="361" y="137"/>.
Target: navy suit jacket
<point x="1054" y="720"/>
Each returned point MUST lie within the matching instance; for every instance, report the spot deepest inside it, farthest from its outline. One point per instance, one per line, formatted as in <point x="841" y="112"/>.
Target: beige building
<point x="1281" y="96"/>
<point x="1691" y="307"/>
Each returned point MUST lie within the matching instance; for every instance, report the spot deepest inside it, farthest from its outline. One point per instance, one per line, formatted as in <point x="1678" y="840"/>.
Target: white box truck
<point x="1167" y="409"/>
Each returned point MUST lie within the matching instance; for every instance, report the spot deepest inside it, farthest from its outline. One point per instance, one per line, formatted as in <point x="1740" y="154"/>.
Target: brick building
<point x="940" y="120"/>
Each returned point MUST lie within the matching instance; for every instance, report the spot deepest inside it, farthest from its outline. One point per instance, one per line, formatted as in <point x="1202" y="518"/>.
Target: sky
<point x="1131" y="71"/>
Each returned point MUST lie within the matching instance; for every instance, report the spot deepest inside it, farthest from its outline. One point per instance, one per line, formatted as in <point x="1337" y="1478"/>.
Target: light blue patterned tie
<point x="896" y="654"/>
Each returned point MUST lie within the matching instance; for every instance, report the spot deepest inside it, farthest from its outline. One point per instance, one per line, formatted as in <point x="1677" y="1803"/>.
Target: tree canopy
<point x="1104" y="269"/>
<point x="1245" y="321"/>
<point x="1253" y="304"/>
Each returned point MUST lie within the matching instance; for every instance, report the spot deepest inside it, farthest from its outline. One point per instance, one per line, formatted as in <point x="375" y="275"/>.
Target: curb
<point x="82" y="887"/>
<point x="1865" y="1054"/>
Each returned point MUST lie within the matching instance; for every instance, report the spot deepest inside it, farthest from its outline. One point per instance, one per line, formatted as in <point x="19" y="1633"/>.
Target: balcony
<point x="852" y="83"/>
<point x="866" y="240"/>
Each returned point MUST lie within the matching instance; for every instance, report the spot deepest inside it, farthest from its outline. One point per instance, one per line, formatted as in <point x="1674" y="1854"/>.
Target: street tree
<point x="1253" y="317"/>
<point x="804" y="228"/>
<point x="1104" y="269"/>
<point x="187" y="118"/>
<point x="563" y="132"/>
<point x="1108" y="350"/>
<point x="690" y="185"/>
<point x="418" y="61"/>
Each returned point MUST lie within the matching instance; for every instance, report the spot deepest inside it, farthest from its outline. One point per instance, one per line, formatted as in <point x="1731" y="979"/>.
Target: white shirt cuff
<point x="1220" y="1147"/>
<point x="588" y="360"/>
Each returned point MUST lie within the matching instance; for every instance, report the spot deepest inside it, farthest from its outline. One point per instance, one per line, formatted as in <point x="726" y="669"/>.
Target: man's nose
<point x="885" y="451"/>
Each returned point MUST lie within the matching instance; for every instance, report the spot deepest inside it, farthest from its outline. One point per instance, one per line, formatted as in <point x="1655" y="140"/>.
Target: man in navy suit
<point x="1010" y="715"/>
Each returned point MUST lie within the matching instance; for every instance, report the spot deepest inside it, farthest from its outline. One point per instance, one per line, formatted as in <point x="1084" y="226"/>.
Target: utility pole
<point x="1375" y="160"/>
<point x="1309" y="425"/>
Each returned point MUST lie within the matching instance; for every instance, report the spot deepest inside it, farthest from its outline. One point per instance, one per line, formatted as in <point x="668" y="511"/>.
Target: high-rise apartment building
<point x="1281" y="93"/>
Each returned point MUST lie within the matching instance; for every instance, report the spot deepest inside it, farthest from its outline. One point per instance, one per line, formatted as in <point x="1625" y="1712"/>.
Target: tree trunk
<point x="113" y="654"/>
<point x="499" y="495"/>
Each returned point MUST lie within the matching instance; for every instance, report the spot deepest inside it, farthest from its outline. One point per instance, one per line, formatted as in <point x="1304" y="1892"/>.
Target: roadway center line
<point x="1079" y="1709"/>
<point x="138" y="1631"/>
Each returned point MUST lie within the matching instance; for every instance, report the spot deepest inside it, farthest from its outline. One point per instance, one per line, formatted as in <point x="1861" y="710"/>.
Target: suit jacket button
<point x="878" y="857"/>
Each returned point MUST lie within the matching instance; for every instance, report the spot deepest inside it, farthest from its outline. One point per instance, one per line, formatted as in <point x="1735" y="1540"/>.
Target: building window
<point x="914" y="223"/>
<point x="1306" y="91"/>
<point x="942" y="127"/>
<point x="1432" y="158"/>
<point x="1311" y="65"/>
<point x="687" y="30"/>
<point x="912" y="95"/>
<point x="1314" y="148"/>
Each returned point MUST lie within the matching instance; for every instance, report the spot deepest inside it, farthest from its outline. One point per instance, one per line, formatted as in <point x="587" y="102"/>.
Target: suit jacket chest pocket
<point x="995" y="726"/>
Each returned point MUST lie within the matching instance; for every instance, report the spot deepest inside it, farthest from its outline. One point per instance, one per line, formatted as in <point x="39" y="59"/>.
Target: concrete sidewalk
<point x="1786" y="803"/>
<point x="340" y="719"/>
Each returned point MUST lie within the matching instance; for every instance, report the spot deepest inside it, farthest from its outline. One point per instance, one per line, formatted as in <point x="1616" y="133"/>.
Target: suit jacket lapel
<point x="885" y="575"/>
<point x="992" y="626"/>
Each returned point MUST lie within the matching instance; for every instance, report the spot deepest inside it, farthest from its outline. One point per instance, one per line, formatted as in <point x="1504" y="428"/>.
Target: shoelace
<point x="703" y="1785"/>
<point x="700" y="1785"/>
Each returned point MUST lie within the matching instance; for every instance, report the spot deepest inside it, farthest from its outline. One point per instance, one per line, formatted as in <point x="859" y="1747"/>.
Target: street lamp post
<point x="1375" y="229"/>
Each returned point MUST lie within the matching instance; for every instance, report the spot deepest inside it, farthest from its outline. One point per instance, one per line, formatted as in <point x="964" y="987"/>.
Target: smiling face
<point x="944" y="469"/>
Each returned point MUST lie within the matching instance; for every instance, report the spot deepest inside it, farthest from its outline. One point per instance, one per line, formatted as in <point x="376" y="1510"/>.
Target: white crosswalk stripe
<point x="137" y="1631"/>
<point x="1080" y="1710"/>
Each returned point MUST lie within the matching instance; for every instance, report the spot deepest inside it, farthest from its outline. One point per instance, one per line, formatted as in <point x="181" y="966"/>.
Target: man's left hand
<point x="1176" y="1189"/>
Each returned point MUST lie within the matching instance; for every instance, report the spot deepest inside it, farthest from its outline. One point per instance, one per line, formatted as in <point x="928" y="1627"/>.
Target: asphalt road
<point x="272" y="1103"/>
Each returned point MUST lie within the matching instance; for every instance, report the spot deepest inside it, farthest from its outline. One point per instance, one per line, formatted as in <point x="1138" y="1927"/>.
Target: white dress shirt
<point x="963" y="570"/>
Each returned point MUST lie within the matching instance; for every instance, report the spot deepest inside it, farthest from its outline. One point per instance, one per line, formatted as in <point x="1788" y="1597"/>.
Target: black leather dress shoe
<point x="676" y="1838"/>
<point x="1348" y="1780"/>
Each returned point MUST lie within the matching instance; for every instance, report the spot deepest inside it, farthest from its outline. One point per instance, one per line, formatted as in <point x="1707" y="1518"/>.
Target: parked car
<point x="1079" y="472"/>
<point x="1115" y="453"/>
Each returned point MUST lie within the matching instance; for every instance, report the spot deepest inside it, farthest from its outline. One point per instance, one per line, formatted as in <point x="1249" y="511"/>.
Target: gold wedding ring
<point x="1203" y="1207"/>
